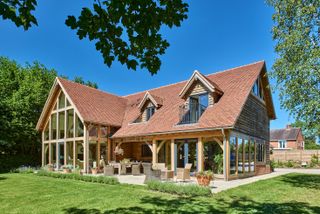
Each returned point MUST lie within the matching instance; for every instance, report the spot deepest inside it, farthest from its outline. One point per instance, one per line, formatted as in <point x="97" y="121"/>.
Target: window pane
<point x="53" y="126"/>
<point x="233" y="155"/>
<point x="93" y="132"/>
<point x="46" y="132"/>
<point x="246" y="155"/>
<point x="104" y="131"/>
<point x="252" y="155"/>
<point x="69" y="148"/>
<point x="79" y="127"/>
<point x="62" y="101"/>
<point x="204" y="101"/>
<point x="68" y="103"/>
<point x="240" y="155"/>
<point x="61" y="125"/>
<point x="79" y="154"/>
<point x="70" y="123"/>
<point x="53" y="153"/>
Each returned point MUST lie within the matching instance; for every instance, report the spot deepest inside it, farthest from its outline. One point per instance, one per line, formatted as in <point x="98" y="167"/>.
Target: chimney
<point x="288" y="126"/>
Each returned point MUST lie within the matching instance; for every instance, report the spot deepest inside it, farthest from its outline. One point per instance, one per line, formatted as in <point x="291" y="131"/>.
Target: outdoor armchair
<point x="184" y="173"/>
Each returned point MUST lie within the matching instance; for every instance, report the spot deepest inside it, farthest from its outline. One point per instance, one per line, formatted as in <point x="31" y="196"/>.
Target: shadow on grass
<point x="302" y="180"/>
<point x="2" y="178"/>
<point x="210" y="205"/>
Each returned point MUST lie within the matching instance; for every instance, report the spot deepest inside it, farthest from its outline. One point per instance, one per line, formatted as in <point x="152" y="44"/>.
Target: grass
<point x="27" y="193"/>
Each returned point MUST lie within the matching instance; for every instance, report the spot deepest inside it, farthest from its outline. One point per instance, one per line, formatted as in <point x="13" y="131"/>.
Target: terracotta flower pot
<point x="204" y="180"/>
<point x="66" y="170"/>
<point x="50" y="169"/>
<point x="94" y="171"/>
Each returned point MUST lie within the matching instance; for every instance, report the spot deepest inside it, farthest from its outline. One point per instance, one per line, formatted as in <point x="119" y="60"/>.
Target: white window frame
<point x="280" y="142"/>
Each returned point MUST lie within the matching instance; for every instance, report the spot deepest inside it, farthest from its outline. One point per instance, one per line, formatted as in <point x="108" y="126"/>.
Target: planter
<point x="66" y="170"/>
<point x="50" y="169"/>
<point x="94" y="171"/>
<point x="204" y="180"/>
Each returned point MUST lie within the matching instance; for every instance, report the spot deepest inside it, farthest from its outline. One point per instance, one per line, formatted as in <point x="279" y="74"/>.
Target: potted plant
<point x="218" y="166"/>
<point x="50" y="167"/>
<point x="94" y="170"/>
<point x="204" y="178"/>
<point x="67" y="168"/>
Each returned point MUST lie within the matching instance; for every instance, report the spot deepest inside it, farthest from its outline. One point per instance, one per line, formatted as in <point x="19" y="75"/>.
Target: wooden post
<point x="42" y="148"/>
<point x="154" y="152"/>
<point x="109" y="155"/>
<point x="65" y="152"/>
<point x="74" y="154"/>
<point x="98" y="146"/>
<point x="173" y="167"/>
<point x="200" y="154"/>
<point x="85" y="150"/>
<point x="226" y="158"/>
<point x="167" y="152"/>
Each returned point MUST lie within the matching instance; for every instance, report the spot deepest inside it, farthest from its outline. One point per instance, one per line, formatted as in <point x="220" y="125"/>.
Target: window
<point x="150" y="111"/>
<point x="252" y="155"/>
<point x="70" y="123"/>
<point x="53" y="126"/>
<point x="257" y="89"/>
<point x="260" y="152"/>
<point x="46" y="132"/>
<point x="62" y="103"/>
<point x="145" y="151"/>
<point x="233" y="155"/>
<point x="61" y="125"/>
<point x="282" y="144"/>
<point x="79" y="127"/>
<point x="246" y="155"/>
<point x="240" y="156"/>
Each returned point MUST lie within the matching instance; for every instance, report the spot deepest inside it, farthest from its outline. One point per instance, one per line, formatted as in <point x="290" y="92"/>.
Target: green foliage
<point x="24" y="170"/>
<point x="297" y="68"/>
<point x="126" y="31"/>
<point x="179" y="189"/>
<point x="11" y="162"/>
<point x="19" y="12"/>
<point x="218" y="160"/>
<point x="129" y="31"/>
<point x="76" y="176"/>
<point x="309" y="134"/>
<point x="23" y="92"/>
<point x="87" y="83"/>
<point x="314" y="161"/>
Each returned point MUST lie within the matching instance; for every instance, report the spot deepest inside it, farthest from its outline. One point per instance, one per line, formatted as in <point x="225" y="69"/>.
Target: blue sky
<point x="217" y="35"/>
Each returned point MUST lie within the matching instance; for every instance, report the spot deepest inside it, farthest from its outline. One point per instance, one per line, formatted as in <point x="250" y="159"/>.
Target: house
<point x="186" y="122"/>
<point x="287" y="139"/>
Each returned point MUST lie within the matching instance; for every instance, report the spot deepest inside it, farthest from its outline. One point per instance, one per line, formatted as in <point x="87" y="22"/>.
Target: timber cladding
<point x="253" y="119"/>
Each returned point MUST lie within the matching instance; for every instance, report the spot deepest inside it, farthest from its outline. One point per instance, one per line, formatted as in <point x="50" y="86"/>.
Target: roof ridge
<point x="163" y="86"/>
<point x="96" y="89"/>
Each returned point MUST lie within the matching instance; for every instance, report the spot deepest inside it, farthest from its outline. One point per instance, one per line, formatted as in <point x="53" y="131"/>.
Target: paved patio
<point x="221" y="185"/>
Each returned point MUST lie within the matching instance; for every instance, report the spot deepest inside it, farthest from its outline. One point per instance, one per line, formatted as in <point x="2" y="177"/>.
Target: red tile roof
<point x="284" y="134"/>
<point x="235" y="83"/>
<point x="95" y="106"/>
<point x="99" y="107"/>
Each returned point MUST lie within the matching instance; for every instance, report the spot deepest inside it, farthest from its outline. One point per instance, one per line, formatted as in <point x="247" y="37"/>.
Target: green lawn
<point x="27" y="193"/>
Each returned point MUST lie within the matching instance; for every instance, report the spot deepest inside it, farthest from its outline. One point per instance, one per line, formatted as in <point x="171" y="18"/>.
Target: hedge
<point x="179" y="189"/>
<point x="74" y="176"/>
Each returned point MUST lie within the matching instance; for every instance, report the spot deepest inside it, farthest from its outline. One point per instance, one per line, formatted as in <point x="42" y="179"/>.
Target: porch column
<point x="154" y="152"/>
<point x="226" y="157"/>
<point x="74" y="154"/>
<point x="173" y="155"/>
<point x="200" y="154"/>
<point x="86" y="150"/>
<point x="186" y="152"/>
<point x="57" y="154"/>
<point x="109" y="154"/>
<point x="42" y="145"/>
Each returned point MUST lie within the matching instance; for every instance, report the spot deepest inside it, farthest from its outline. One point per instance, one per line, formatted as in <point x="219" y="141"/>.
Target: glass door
<point x="60" y="154"/>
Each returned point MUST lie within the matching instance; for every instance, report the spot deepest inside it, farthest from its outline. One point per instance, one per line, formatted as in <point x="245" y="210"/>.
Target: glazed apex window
<point x="233" y="155"/>
<point x="257" y="89"/>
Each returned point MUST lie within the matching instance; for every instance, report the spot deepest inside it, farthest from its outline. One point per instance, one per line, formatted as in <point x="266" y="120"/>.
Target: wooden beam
<point x="172" y="155"/>
<point x="154" y="152"/>
<point x="200" y="155"/>
<point x="42" y="153"/>
<point x="160" y="146"/>
<point x="219" y="142"/>
<point x="98" y="146"/>
<point x="109" y="144"/>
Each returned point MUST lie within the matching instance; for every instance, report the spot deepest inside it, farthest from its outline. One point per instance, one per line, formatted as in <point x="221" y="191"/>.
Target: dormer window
<point x="199" y="93"/>
<point x="257" y="89"/>
<point x="150" y="111"/>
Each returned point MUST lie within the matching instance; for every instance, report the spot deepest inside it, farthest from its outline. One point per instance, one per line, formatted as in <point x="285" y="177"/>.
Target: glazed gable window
<point x="150" y="111"/>
<point x="257" y="89"/>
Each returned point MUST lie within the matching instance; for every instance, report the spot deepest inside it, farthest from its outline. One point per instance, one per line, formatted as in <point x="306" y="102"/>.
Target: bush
<point x="74" y="176"/>
<point x="24" y="170"/>
<point x="314" y="161"/>
<point x="12" y="162"/>
<point x="186" y="190"/>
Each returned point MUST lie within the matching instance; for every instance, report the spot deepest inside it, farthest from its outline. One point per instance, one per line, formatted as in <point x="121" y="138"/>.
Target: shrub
<point x="314" y="161"/>
<point x="289" y="164"/>
<point x="187" y="190"/>
<point x="74" y="176"/>
<point x="24" y="170"/>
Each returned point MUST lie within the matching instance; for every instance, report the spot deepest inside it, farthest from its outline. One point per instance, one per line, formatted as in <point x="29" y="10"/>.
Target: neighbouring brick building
<point x="286" y="139"/>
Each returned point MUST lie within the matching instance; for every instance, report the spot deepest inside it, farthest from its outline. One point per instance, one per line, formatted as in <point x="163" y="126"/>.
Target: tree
<point x="127" y="31"/>
<point x="308" y="134"/>
<point x="23" y="93"/>
<point x="297" y="67"/>
<point x="88" y="83"/>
